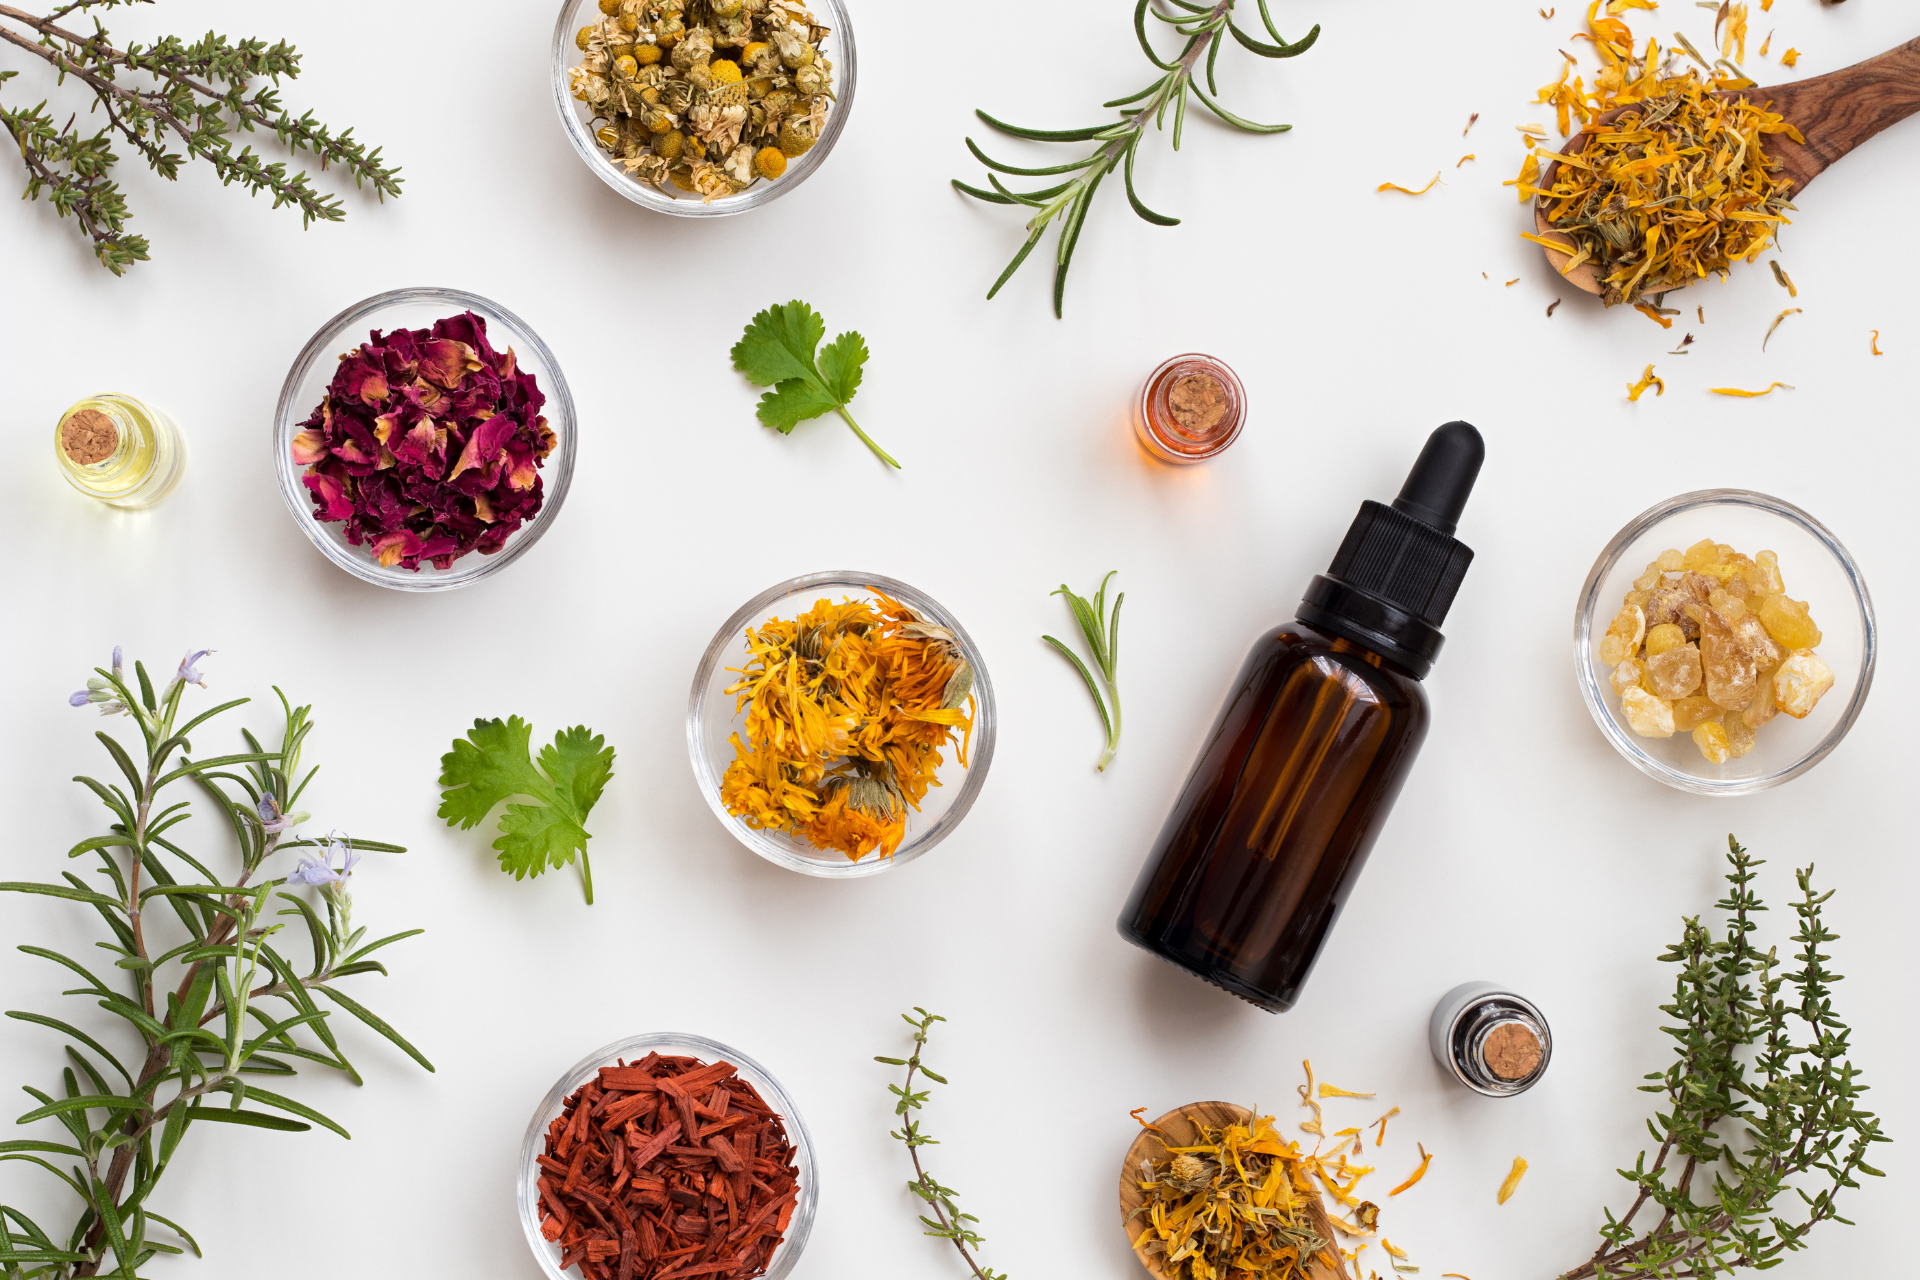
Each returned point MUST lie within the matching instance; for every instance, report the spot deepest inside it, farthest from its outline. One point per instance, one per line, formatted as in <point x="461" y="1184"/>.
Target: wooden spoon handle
<point x="1839" y="111"/>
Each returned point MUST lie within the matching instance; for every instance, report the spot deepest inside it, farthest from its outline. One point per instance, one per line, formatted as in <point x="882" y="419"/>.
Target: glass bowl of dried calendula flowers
<point x="841" y="724"/>
<point x="703" y="107"/>
<point x="424" y="439"/>
<point x="1724" y="642"/>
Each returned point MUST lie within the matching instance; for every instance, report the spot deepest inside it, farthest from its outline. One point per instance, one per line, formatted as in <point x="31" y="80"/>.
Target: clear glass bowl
<point x="1816" y="568"/>
<point x="306" y="386"/>
<point x="575" y="116"/>
<point x="667" y="1044"/>
<point x="711" y="722"/>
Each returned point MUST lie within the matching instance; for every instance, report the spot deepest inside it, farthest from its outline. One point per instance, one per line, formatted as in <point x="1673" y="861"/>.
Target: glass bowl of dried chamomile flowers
<point x="1724" y="642"/>
<point x="704" y="119"/>
<point x="424" y="439"/>
<point x="841" y="724"/>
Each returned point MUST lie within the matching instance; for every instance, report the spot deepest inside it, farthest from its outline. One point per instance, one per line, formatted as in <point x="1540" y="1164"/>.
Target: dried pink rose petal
<point x="428" y="445"/>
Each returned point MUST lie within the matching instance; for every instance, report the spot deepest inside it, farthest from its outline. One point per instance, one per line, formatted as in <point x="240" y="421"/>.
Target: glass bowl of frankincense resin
<point x="1724" y="642"/>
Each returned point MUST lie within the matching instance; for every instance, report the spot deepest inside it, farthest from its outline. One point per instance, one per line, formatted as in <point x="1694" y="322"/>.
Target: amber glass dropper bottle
<point x="1312" y="747"/>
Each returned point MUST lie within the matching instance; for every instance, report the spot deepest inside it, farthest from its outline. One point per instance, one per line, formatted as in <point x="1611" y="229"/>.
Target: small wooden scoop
<point x="1835" y="112"/>
<point x="1180" y="1127"/>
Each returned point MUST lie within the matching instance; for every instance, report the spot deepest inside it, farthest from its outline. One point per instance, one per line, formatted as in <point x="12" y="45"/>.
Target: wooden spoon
<point x="1181" y="1127"/>
<point x="1835" y="112"/>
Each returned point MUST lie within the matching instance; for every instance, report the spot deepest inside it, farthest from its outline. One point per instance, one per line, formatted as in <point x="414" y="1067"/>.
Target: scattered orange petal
<point x="1647" y="379"/>
<point x="1748" y="395"/>
<point x="1394" y="186"/>
<point x="1464" y="159"/>
<point x="1471" y="121"/>
<point x="1653" y="315"/>
<point x="1512" y="1183"/>
<point x="1426" y="1158"/>
<point x="1877" y="351"/>
<point x="1790" y="58"/>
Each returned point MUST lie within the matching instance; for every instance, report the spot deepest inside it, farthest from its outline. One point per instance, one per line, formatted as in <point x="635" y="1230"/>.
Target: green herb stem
<point x="880" y="453"/>
<point x="1102" y="634"/>
<point x="948" y="1222"/>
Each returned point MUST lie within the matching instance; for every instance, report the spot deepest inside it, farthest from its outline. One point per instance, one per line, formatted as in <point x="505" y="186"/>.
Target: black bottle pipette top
<point x="1394" y="578"/>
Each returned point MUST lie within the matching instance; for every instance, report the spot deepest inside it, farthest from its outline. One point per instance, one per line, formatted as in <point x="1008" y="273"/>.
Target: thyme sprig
<point x="201" y="1003"/>
<point x="1796" y="1102"/>
<point x="1205" y="27"/>
<point x="1102" y="633"/>
<point x="947" y="1222"/>
<point x="193" y="95"/>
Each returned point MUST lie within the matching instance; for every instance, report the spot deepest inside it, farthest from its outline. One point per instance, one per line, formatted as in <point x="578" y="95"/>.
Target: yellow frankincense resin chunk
<point x="1709" y="644"/>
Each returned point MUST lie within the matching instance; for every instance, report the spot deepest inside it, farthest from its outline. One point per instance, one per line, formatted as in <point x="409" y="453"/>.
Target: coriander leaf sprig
<point x="777" y="351"/>
<point x="493" y="763"/>
<point x="947" y="1222"/>
<point x="1103" y="638"/>
<point x="1205" y="27"/>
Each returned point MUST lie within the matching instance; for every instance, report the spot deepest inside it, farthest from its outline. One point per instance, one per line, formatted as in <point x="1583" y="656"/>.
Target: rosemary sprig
<point x="947" y="1223"/>
<point x="194" y="95"/>
<point x="1103" y="638"/>
<point x="1796" y="1103"/>
<point x="207" y="996"/>
<point x="1204" y="27"/>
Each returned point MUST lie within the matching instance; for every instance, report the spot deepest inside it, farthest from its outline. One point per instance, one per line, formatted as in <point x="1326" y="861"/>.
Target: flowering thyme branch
<point x="199" y="94"/>
<point x="947" y="1223"/>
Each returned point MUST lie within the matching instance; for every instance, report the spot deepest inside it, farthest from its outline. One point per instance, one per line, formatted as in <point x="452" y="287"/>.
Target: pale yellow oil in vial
<point x="119" y="450"/>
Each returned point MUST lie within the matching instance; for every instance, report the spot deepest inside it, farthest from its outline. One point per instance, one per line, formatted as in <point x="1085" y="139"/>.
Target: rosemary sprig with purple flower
<point x="1205" y="28"/>
<point x="201" y="987"/>
<point x="169" y="93"/>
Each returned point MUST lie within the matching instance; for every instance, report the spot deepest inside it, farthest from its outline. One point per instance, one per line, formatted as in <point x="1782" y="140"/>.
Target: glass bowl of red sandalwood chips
<point x="1722" y="572"/>
<point x="666" y="1156"/>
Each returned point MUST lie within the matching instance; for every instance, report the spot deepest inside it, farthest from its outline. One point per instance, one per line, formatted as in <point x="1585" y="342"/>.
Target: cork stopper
<point x="89" y="437"/>
<point x="1511" y="1051"/>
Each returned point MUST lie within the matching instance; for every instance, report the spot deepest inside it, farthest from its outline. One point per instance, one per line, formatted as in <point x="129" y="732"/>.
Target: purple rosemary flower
<point x="189" y="672"/>
<point x="318" y="868"/>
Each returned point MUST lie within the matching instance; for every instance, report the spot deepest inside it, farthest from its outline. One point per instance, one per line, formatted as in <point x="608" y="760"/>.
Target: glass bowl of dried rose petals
<point x="664" y="1155"/>
<point x="1724" y="642"/>
<point x="425" y="438"/>
<point x="841" y="724"/>
<point x="708" y="119"/>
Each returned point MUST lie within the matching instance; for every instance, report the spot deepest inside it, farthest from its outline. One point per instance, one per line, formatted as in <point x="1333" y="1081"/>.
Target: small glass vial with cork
<point x="120" y="450"/>
<point x="1489" y="1039"/>
<point x="1191" y="408"/>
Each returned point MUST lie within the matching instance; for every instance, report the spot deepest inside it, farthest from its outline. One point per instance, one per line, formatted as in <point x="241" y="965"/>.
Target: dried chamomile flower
<point x="710" y="98"/>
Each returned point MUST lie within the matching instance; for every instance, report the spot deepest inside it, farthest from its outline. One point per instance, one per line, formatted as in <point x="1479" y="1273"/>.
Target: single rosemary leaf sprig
<point x="1103" y="638"/>
<point x="1739" y="1069"/>
<point x="947" y="1223"/>
<point x="1204" y="26"/>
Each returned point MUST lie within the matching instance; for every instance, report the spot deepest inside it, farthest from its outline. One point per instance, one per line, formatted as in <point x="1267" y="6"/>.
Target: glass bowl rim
<point x="558" y="478"/>
<point x="846" y="59"/>
<point x="1584" y="660"/>
<point x="968" y="790"/>
<point x="799" y="1229"/>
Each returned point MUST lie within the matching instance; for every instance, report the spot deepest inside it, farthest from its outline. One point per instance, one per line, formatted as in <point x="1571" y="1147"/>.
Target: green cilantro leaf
<point x="493" y="763"/>
<point x="778" y="350"/>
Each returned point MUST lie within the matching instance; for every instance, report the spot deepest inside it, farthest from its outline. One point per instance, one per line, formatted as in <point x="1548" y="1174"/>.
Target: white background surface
<point x="1522" y="849"/>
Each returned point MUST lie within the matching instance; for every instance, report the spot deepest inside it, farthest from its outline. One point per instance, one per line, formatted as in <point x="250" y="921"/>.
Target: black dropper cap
<point x="1394" y="579"/>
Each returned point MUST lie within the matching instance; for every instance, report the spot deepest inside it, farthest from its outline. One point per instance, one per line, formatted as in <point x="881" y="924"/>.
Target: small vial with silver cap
<point x="1494" y="1042"/>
